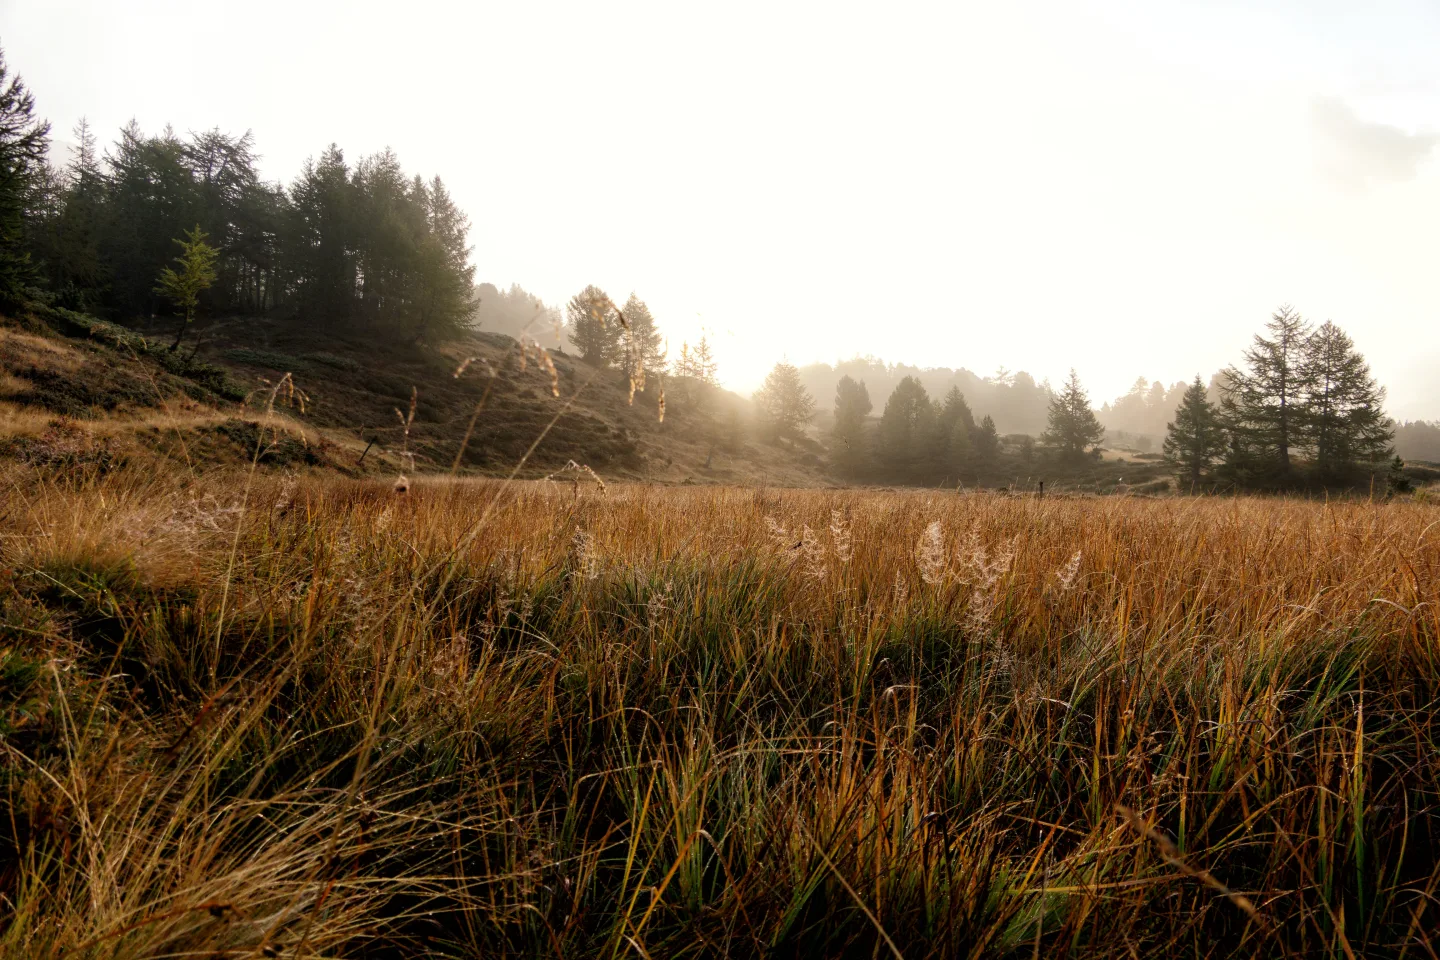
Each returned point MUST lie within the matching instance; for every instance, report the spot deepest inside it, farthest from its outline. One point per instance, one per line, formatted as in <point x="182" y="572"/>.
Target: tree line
<point x="158" y="221"/>
<point x="343" y="243"/>
<point x="1302" y="408"/>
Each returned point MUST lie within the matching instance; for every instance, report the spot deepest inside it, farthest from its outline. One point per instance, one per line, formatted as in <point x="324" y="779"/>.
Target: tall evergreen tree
<point x="782" y="402"/>
<point x="24" y="142"/>
<point x="441" y="294"/>
<point x="386" y="225"/>
<point x="907" y="431"/>
<point x="593" y="327"/>
<point x="319" y="243"/>
<point x="986" y="442"/>
<point x="1072" y="424"/>
<point x="644" y="344"/>
<point x="1264" y="405"/>
<point x="1196" y="438"/>
<point x="76" y="271"/>
<point x="852" y="406"/>
<point x="151" y="200"/>
<point x="954" y="425"/>
<point x="1344" y="422"/>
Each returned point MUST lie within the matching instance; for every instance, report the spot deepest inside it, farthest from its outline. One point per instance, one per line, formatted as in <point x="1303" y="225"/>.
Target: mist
<point x="1127" y="190"/>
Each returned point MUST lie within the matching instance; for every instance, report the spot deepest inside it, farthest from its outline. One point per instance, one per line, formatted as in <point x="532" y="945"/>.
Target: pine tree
<point x="318" y="242"/>
<point x="907" y="431"/>
<point x="1264" y="406"/>
<point x="852" y="406"/>
<point x="955" y="424"/>
<point x="24" y="143"/>
<point x="644" y="345"/>
<point x="1397" y="480"/>
<point x="1072" y="424"/>
<point x="593" y="327"/>
<point x="442" y="285"/>
<point x="151" y="199"/>
<point x="75" y="269"/>
<point x="782" y="402"/>
<point x="1196" y="438"/>
<point x="986" y="442"/>
<point x="703" y="362"/>
<point x="197" y="272"/>
<point x="1344" y="422"/>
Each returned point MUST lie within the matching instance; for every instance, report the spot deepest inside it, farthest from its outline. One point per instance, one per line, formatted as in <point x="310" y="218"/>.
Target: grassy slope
<point x="266" y="719"/>
<point x="352" y="387"/>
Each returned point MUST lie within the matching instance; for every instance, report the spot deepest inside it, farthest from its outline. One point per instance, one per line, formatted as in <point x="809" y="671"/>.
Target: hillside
<point x="73" y="388"/>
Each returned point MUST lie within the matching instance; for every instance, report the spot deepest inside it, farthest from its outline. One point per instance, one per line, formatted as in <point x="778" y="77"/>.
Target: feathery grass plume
<point x="779" y="534"/>
<point x="548" y="365"/>
<point x="983" y="572"/>
<point x="577" y="473"/>
<point x="930" y="553"/>
<point x="658" y="602"/>
<point x="840" y="536"/>
<point x="584" y="555"/>
<point x="406" y="419"/>
<point x="812" y="555"/>
<point x="900" y="593"/>
<point x="465" y="365"/>
<point x="1065" y="576"/>
<point x="286" y="496"/>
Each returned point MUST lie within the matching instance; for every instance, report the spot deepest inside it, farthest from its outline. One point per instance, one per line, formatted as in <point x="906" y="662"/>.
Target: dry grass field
<point x="246" y="716"/>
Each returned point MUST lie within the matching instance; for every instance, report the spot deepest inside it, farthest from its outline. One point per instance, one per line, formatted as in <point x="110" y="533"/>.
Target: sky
<point x="1125" y="188"/>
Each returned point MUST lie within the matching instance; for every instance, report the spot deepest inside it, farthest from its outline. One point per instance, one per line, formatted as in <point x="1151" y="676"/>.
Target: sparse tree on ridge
<point x="1344" y="422"/>
<point x="695" y="371"/>
<point x="1073" y="426"/>
<point x="593" y="327"/>
<point x="782" y="402"/>
<point x="1196" y="438"/>
<point x="644" y="345"/>
<point x="702" y="361"/>
<point x="1263" y="405"/>
<point x="24" y="142"/>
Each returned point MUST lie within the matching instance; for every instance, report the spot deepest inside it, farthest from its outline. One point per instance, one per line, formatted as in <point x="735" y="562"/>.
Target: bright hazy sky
<point x="1128" y="190"/>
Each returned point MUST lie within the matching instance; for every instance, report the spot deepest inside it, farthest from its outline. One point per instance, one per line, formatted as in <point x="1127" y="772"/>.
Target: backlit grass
<point x="258" y="717"/>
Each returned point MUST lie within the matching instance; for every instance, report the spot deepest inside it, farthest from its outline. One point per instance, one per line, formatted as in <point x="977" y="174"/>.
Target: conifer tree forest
<point x="344" y="242"/>
<point x="182" y="225"/>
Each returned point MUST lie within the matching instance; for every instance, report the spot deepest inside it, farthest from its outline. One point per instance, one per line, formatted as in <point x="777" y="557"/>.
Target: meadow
<point x="246" y="715"/>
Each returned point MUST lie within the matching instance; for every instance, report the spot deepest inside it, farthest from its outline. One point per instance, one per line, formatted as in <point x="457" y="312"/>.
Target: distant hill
<point x="515" y="312"/>
<point x="74" y="387"/>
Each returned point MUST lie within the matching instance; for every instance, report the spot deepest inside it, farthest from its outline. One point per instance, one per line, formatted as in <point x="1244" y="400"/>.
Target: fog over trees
<point x="170" y="224"/>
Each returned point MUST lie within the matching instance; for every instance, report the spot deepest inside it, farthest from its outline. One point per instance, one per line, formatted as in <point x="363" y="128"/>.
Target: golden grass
<point x="290" y="718"/>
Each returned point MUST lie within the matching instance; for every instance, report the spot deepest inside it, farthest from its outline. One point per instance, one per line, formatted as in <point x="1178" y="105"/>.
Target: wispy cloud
<point x="1357" y="152"/>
